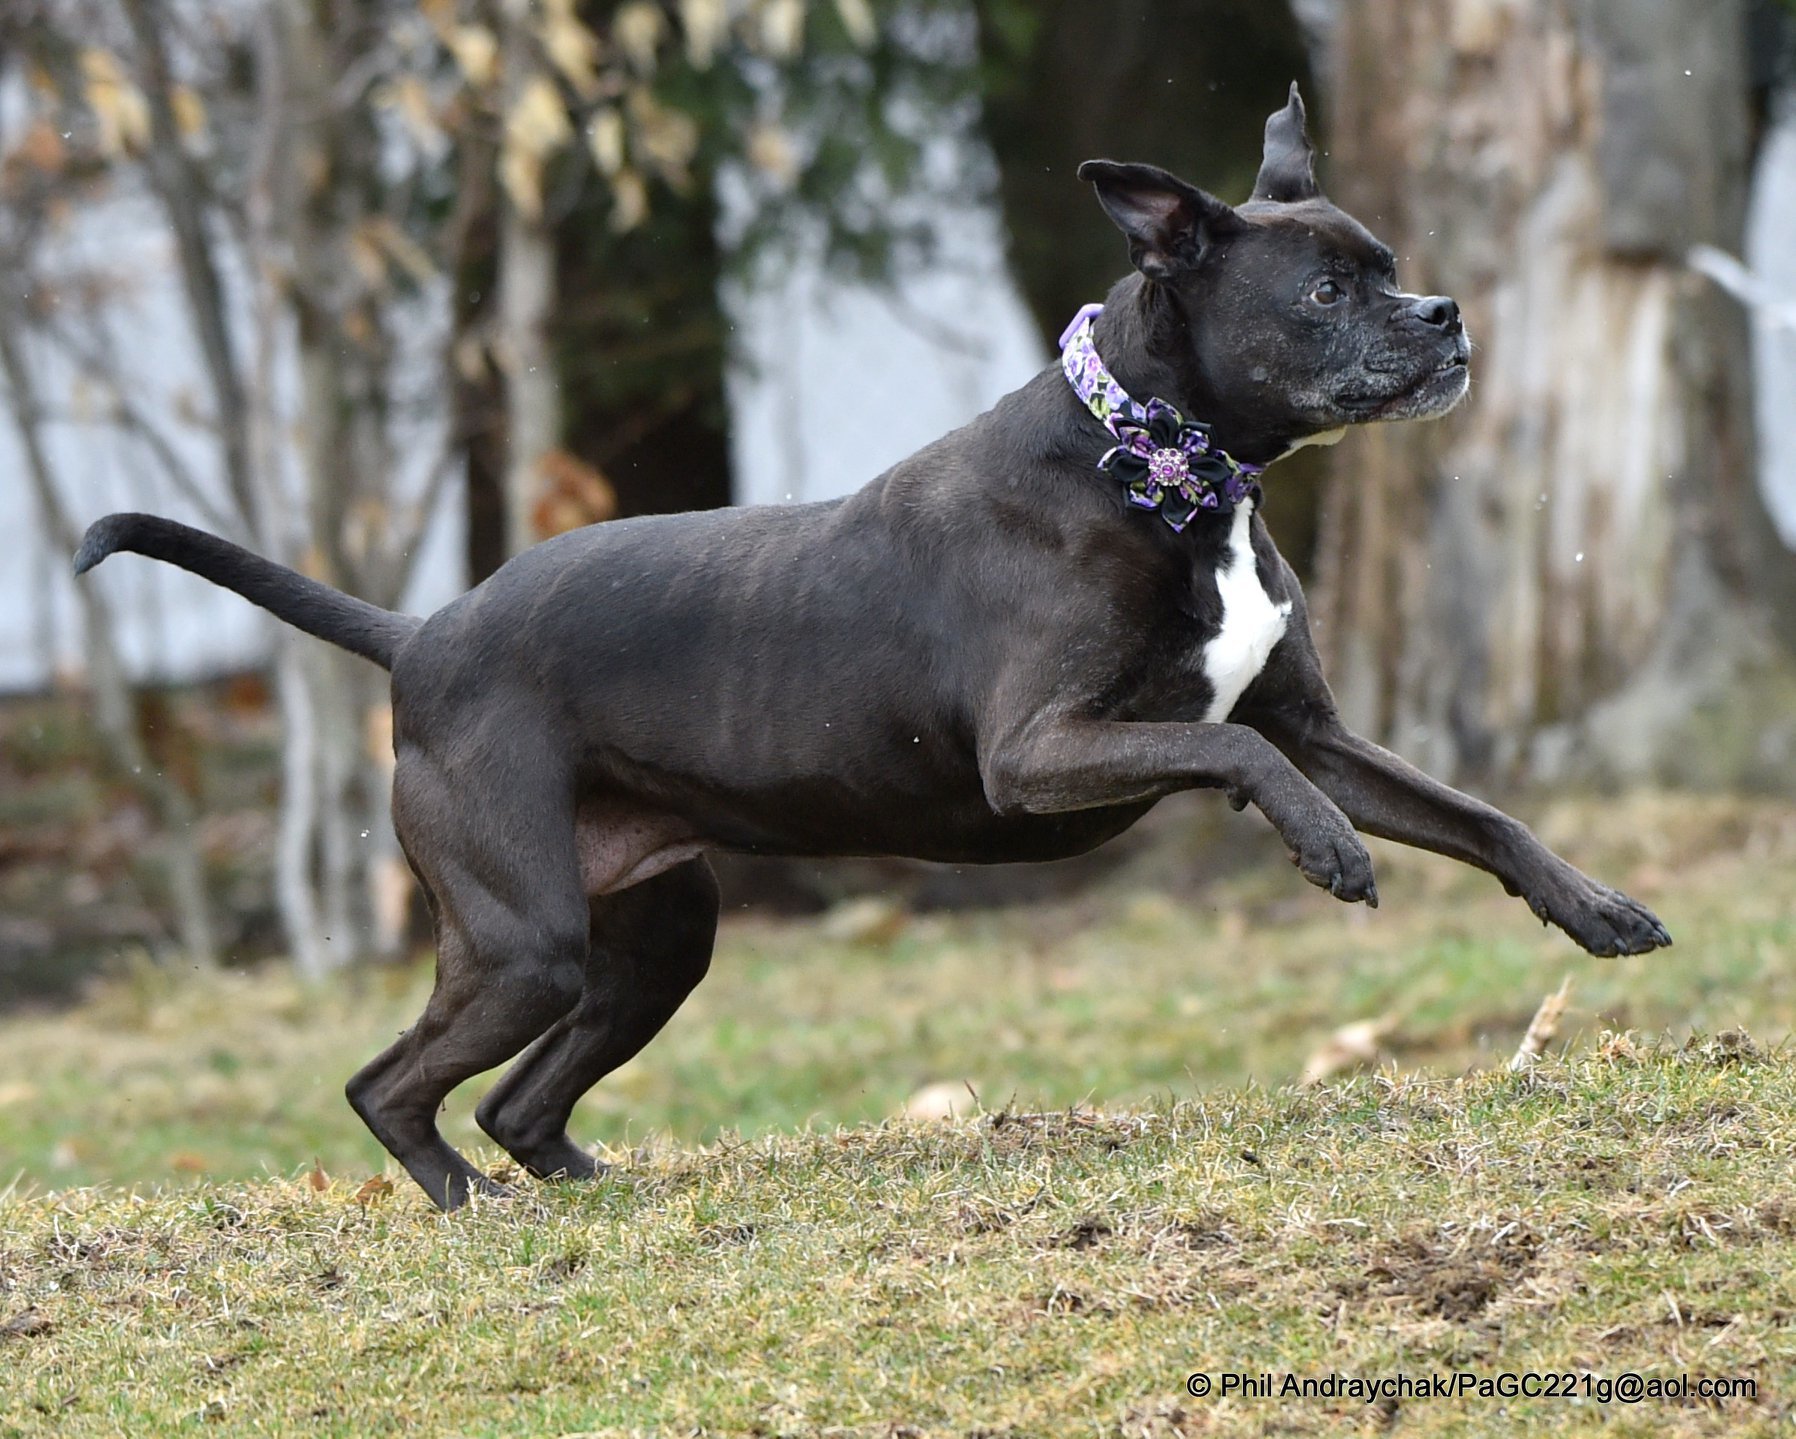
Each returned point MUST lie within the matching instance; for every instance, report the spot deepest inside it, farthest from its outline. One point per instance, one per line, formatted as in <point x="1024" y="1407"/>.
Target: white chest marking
<point x="1251" y="624"/>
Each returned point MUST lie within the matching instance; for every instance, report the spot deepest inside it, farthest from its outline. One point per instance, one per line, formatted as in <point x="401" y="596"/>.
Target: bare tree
<point x="114" y="714"/>
<point x="291" y="260"/>
<point x="1558" y="575"/>
<point x="535" y="126"/>
<point x="327" y="172"/>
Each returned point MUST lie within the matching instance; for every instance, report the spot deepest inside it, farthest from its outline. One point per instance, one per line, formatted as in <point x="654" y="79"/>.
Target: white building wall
<point x="836" y="382"/>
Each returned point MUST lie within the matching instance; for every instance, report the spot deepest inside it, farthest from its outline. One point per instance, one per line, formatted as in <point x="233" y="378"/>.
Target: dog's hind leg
<point x="650" y="946"/>
<point x="494" y="847"/>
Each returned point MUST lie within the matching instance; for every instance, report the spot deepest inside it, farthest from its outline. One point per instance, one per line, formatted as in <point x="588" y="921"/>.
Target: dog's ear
<point x="1288" y="167"/>
<point x="1169" y="224"/>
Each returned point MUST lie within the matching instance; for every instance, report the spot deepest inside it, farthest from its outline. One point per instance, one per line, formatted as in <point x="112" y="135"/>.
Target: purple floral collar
<point x="1165" y="461"/>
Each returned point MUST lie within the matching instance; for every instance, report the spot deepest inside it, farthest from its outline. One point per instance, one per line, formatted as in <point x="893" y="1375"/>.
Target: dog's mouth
<point x="1435" y="393"/>
<point x="1423" y="396"/>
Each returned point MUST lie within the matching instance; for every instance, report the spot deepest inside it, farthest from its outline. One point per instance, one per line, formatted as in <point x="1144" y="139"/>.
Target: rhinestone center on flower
<point x="1168" y="467"/>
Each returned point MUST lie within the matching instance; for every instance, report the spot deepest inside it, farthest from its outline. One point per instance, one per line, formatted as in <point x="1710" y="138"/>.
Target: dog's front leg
<point x="1385" y="796"/>
<point x="1053" y="766"/>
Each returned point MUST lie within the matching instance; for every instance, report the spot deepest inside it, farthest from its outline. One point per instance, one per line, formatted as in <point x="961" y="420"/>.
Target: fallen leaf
<point x="942" y="1100"/>
<point x="318" y="1179"/>
<point x="1351" y="1044"/>
<point x="870" y="920"/>
<point x="374" y="1190"/>
<point x="574" y="495"/>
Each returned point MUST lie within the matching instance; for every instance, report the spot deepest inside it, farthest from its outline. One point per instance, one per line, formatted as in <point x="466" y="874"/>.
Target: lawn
<point x="1137" y="1195"/>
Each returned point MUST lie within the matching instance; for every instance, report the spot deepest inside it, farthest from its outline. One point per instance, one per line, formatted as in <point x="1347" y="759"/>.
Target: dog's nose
<point x="1438" y="311"/>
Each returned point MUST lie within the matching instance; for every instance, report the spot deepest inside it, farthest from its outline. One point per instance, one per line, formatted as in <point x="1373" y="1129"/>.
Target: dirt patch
<point x="1454" y="1275"/>
<point x="1776" y="1214"/>
<point x="1088" y="1233"/>
<point x="976" y="1214"/>
<point x="561" y="1268"/>
<point x="1731" y="1046"/>
<point x="1206" y="1231"/>
<point x="1164" y="1419"/>
<point x="1060" y="1301"/>
<point x="27" y="1324"/>
<point x="1015" y="1131"/>
<point x="721" y="1235"/>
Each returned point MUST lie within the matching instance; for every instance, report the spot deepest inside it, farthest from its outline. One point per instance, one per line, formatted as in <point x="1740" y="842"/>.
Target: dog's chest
<point x="1252" y="623"/>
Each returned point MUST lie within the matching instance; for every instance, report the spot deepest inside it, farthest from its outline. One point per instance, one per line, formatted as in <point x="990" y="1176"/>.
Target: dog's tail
<point x="361" y="628"/>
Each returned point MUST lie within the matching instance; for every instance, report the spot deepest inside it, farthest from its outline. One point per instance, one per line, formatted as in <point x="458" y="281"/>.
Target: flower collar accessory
<point x="1165" y="462"/>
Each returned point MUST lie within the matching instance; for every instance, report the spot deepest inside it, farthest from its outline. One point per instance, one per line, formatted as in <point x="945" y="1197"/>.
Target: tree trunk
<point x="532" y="388"/>
<point x="1540" y="580"/>
<point x="346" y="467"/>
<point x="265" y="205"/>
<point x="526" y="308"/>
<point x="476" y="389"/>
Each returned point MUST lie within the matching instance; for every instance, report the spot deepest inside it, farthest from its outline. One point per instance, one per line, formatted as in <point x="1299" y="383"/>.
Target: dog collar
<point x="1165" y="461"/>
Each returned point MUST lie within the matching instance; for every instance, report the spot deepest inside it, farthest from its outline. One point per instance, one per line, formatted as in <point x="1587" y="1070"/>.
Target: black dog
<point x="995" y="651"/>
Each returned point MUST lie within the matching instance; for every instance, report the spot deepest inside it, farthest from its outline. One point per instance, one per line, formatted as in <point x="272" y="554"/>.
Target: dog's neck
<point x="1142" y="324"/>
<point x="1166" y="461"/>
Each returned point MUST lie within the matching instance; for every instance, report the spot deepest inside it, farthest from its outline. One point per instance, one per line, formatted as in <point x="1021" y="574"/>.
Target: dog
<point x="1007" y="647"/>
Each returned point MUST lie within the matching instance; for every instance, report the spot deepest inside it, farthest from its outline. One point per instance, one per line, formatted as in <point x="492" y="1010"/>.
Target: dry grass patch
<point x="1022" y="1272"/>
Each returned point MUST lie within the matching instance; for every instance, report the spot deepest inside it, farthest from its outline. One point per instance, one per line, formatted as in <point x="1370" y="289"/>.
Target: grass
<point x="1126" y="1210"/>
<point x="1632" y="1211"/>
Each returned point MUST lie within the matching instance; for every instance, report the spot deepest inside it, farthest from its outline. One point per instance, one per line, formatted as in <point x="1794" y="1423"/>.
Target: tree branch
<point x="178" y="186"/>
<point x="113" y="711"/>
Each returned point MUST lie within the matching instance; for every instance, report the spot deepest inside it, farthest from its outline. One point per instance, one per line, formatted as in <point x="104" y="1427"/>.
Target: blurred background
<point x="391" y="289"/>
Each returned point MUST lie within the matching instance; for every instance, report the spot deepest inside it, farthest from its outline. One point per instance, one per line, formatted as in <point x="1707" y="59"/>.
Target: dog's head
<point x="1292" y="313"/>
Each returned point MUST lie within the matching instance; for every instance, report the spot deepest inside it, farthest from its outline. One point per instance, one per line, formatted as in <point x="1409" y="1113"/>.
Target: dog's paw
<point x="1331" y="857"/>
<point x="561" y="1161"/>
<point x="1603" y="921"/>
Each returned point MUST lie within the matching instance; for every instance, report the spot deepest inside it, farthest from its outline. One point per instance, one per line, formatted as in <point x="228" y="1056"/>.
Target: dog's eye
<point x="1328" y="293"/>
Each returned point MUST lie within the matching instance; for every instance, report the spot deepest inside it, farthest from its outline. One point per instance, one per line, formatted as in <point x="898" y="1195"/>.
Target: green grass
<point x="1014" y="1274"/>
<point x="1129" y="1208"/>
